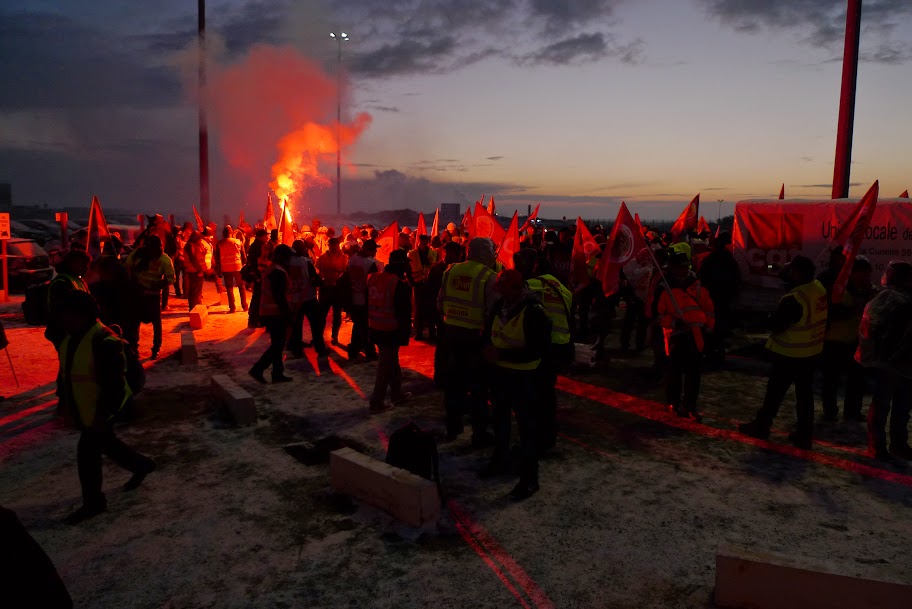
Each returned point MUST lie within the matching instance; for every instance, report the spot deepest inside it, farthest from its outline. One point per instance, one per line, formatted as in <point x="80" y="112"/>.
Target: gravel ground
<point x="633" y="506"/>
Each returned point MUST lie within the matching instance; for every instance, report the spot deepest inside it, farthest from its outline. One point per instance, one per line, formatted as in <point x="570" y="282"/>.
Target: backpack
<point x="415" y="450"/>
<point x="35" y="306"/>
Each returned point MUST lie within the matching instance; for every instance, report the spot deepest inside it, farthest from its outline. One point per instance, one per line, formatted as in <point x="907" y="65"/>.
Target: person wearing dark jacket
<point x="885" y="348"/>
<point x="519" y="333"/>
<point x="94" y="389"/>
<point x="389" y="310"/>
<point x="719" y="273"/>
<point x="253" y="271"/>
<point x="797" y="330"/>
<point x="275" y="313"/>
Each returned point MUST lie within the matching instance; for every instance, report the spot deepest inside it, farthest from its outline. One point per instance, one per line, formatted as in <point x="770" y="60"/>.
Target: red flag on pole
<point x="486" y="225"/>
<point x="422" y="227"/>
<point x="627" y="250"/>
<point x="468" y="222"/>
<point x="491" y="208"/>
<point x="510" y="243"/>
<point x="387" y="241"/>
<point x="97" y="225"/>
<point x="584" y="248"/>
<point x="636" y="218"/>
<point x="435" y="228"/>
<point x="199" y="221"/>
<point x="703" y="226"/>
<point x="718" y="231"/>
<point x="782" y="191"/>
<point x="687" y="221"/>
<point x="530" y="219"/>
<point x="269" y="218"/>
<point x="850" y="236"/>
<point x="286" y="230"/>
<point x="904" y="195"/>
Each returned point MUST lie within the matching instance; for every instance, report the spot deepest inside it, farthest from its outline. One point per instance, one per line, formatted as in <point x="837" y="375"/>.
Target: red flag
<point x="422" y="227"/>
<point x="718" y="231"/>
<point x="486" y="225"/>
<point x="269" y="218"/>
<point x="435" y="228"/>
<point x="286" y="229"/>
<point x="782" y="191"/>
<point x="241" y="219"/>
<point x="530" y="219"/>
<point x="510" y="243"/>
<point x="687" y="221"/>
<point x="97" y="225"/>
<point x="850" y="236"/>
<point x="627" y="250"/>
<point x="491" y="208"/>
<point x="584" y="248"/>
<point x="468" y="223"/>
<point x="199" y="221"/>
<point x="636" y="218"/>
<point x="702" y="226"/>
<point x="904" y="195"/>
<point x="387" y="241"/>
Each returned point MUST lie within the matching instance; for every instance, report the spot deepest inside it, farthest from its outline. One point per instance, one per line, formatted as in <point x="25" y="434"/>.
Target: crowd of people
<point x="502" y="335"/>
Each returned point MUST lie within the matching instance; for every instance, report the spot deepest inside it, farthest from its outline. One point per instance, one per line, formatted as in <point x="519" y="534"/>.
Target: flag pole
<point x="10" y="360"/>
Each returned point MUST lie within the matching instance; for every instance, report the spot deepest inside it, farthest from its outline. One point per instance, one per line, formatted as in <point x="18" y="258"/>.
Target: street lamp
<point x="341" y="37"/>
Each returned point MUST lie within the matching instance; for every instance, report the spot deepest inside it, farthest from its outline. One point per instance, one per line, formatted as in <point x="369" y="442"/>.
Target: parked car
<point x="28" y="263"/>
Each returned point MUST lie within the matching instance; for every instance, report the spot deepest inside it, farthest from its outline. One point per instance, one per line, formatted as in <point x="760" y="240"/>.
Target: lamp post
<point x="341" y="37"/>
<point x="842" y="168"/>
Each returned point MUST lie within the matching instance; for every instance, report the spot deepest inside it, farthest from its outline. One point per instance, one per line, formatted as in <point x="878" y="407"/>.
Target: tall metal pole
<point x="339" y="129"/>
<point x="843" y="167"/>
<point x="203" y="129"/>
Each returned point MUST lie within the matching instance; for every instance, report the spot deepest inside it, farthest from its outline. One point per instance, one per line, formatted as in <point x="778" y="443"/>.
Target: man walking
<point x="229" y="260"/>
<point x="275" y="314"/>
<point x="360" y="266"/>
<point x="331" y="266"/>
<point x="94" y="390"/>
<point x="421" y="259"/>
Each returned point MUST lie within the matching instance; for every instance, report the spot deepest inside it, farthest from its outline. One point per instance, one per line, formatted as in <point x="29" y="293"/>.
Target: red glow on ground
<point x="498" y="560"/>
<point x="252" y="339"/>
<point x="24" y="413"/>
<point x="657" y="412"/>
<point x="584" y="445"/>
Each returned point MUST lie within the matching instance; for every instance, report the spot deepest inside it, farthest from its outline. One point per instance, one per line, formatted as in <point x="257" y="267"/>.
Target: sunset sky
<point x="577" y="105"/>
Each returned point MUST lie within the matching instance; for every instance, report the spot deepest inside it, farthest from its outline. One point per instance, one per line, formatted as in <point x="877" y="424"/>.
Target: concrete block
<point x="754" y="580"/>
<point x="198" y="315"/>
<point x="405" y="496"/>
<point x="189" y="354"/>
<point x="240" y="403"/>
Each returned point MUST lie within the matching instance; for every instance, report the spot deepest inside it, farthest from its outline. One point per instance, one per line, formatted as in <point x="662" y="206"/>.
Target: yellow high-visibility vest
<point x="805" y="338"/>
<point x="82" y="378"/>
<point x="419" y="270"/>
<point x="512" y="335"/>
<point x="557" y="300"/>
<point x="78" y="284"/>
<point x="844" y="330"/>
<point x="464" y="294"/>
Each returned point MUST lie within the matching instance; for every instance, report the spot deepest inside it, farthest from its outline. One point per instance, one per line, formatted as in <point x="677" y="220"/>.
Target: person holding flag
<point x="798" y="327"/>
<point x="685" y="313"/>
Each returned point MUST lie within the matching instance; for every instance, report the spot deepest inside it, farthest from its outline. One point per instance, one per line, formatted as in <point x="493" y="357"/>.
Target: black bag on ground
<point x="35" y="306"/>
<point x="415" y="450"/>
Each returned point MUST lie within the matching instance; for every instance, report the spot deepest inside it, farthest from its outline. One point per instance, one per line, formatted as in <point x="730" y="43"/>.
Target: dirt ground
<point x="633" y="507"/>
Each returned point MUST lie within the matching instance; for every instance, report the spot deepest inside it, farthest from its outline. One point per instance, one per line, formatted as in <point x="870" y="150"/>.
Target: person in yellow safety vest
<point x="685" y="314"/>
<point x="70" y="272"/>
<point x="520" y="336"/>
<point x="230" y="258"/>
<point x="841" y="341"/>
<point x="798" y="326"/>
<point x="557" y="301"/>
<point x="94" y="389"/>
<point x="389" y="309"/>
<point x="466" y="297"/>
<point x="151" y="268"/>
<point x="421" y="259"/>
<point x="275" y="313"/>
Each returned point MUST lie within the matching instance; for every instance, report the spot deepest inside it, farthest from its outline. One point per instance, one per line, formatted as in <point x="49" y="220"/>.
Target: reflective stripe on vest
<point x="268" y="305"/>
<point x="78" y="283"/>
<point x="805" y="338"/>
<point x="230" y="255"/>
<point x="82" y="379"/>
<point x="381" y="303"/>
<point x="511" y="335"/>
<point x="557" y="301"/>
<point x="464" y="294"/>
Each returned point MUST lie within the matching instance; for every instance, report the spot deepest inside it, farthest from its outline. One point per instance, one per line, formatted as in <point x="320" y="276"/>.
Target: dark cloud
<point x="494" y="158"/>
<point x="384" y="108"/>
<point x="822" y="23"/>
<point x="586" y="47"/>
<point x="821" y="185"/>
